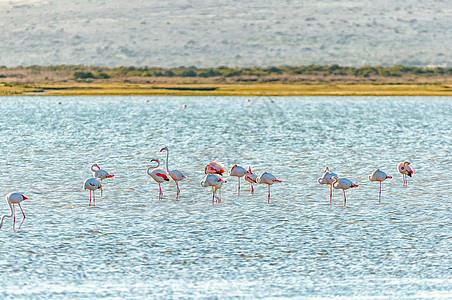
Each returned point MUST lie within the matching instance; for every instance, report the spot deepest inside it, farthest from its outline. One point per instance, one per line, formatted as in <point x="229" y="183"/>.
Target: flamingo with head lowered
<point x="380" y="176"/>
<point x="251" y="178"/>
<point x="327" y="178"/>
<point x="343" y="184"/>
<point x="92" y="184"/>
<point x="405" y="169"/>
<point x="158" y="175"/>
<point x="215" y="181"/>
<point x="268" y="179"/>
<point x="238" y="172"/>
<point x="11" y="199"/>
<point x="100" y="174"/>
<point x="175" y="175"/>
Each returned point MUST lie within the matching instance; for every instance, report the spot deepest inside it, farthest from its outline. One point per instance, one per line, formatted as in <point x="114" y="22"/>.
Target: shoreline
<point x="225" y="89"/>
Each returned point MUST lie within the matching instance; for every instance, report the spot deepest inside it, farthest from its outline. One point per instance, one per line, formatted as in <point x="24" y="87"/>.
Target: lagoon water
<point x="131" y="245"/>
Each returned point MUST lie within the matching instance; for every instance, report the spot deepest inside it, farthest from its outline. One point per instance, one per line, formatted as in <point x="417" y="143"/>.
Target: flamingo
<point x="327" y="178"/>
<point x="238" y="172"/>
<point x="380" y="176"/>
<point x="343" y="184"/>
<point x="158" y="175"/>
<point x="92" y="184"/>
<point x="176" y="175"/>
<point x="251" y="178"/>
<point x="405" y="169"/>
<point x="11" y="199"/>
<point x="215" y="181"/>
<point x="100" y="174"/>
<point x="214" y="168"/>
<point x="269" y="179"/>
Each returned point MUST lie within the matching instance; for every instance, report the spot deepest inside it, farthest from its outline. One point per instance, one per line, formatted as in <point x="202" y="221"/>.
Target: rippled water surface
<point x="131" y="245"/>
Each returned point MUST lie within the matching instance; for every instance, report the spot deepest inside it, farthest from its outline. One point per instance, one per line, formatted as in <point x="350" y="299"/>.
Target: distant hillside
<point x="211" y="33"/>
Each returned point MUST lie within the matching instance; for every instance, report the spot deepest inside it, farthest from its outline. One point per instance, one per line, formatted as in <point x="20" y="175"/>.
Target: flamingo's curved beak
<point x="25" y="198"/>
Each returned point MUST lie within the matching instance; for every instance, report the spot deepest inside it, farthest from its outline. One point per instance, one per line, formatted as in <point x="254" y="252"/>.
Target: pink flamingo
<point x="327" y="178"/>
<point x="238" y="172"/>
<point x="343" y="184"/>
<point x="380" y="176"/>
<point x="215" y="181"/>
<point x="100" y="174"/>
<point x="158" y="175"/>
<point x="176" y="175"/>
<point x="251" y="178"/>
<point x="214" y="168"/>
<point x="92" y="184"/>
<point x="268" y="179"/>
<point x="405" y="169"/>
<point x="11" y="199"/>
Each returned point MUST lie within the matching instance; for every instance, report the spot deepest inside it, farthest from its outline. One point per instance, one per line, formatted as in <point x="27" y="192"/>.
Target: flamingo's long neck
<point x="7" y="216"/>
<point x="167" y="154"/>
<point x="92" y="168"/>
<point x="151" y="167"/>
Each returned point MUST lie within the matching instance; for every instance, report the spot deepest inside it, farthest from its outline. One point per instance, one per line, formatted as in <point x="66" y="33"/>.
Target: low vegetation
<point x="250" y="81"/>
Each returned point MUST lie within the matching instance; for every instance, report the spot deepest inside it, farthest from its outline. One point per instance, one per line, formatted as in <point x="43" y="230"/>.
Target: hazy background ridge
<point x="217" y="32"/>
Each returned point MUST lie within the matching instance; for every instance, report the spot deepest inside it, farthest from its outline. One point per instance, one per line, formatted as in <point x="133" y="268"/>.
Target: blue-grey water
<point x="131" y="245"/>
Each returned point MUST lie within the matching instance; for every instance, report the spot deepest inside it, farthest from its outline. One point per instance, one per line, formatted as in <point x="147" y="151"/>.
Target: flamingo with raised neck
<point x="175" y="175"/>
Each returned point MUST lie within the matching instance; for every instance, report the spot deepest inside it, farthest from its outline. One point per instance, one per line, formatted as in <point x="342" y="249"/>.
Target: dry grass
<point x="226" y="89"/>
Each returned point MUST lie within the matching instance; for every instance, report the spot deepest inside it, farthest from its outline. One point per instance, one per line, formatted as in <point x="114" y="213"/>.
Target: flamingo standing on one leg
<point x="343" y="184"/>
<point x="158" y="175"/>
<point x="176" y="175"/>
<point x="327" y="178"/>
<point x="238" y="172"/>
<point x="251" y="178"/>
<point x="92" y="184"/>
<point x="269" y="179"/>
<point x="11" y="199"/>
<point x="405" y="169"/>
<point x="214" y="167"/>
<point x="215" y="181"/>
<point x="380" y="176"/>
<point x="100" y="174"/>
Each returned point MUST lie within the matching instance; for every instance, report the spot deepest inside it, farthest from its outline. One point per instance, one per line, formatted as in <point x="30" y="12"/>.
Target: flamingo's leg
<point x="379" y="195"/>
<point x="94" y="199"/>
<point x="219" y="195"/>
<point x="268" y="194"/>
<point x="331" y="193"/>
<point x="22" y="214"/>
<point x="178" y="191"/>
<point x="238" y="193"/>
<point x="345" y="199"/>
<point x="252" y="189"/>
<point x="213" y="196"/>
<point x="89" y="198"/>
<point x="14" y="217"/>
<point x="102" y="188"/>
<point x="160" y="192"/>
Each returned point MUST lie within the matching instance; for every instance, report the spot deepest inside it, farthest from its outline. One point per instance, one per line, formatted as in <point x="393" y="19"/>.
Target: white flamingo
<point x="251" y="178"/>
<point x="176" y="175"/>
<point x="12" y="199"/>
<point x="380" y="176"/>
<point x="158" y="175"/>
<point x="215" y="181"/>
<point x="343" y="184"/>
<point x="238" y="172"/>
<point x="268" y="179"/>
<point x="92" y="184"/>
<point x="327" y="178"/>
<point x="100" y="174"/>
<point x="405" y="169"/>
<point x="214" y="167"/>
